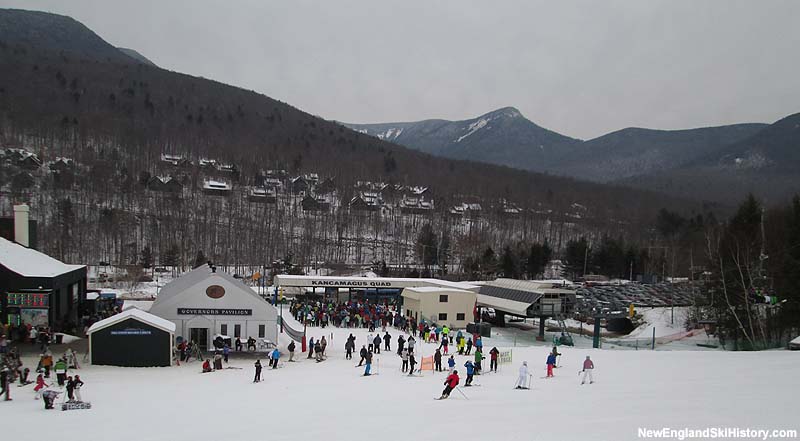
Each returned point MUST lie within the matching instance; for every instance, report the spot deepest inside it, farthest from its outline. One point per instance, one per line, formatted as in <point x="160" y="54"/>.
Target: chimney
<point x="21" y="215"/>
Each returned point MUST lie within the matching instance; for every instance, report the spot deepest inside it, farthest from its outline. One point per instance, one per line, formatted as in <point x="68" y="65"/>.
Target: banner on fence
<point x="426" y="364"/>
<point x="506" y="356"/>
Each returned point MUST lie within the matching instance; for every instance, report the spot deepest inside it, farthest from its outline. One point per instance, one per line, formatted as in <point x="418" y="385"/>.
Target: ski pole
<point x="462" y="393"/>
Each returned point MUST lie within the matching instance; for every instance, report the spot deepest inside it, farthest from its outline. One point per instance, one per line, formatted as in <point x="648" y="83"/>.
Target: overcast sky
<point x="582" y="68"/>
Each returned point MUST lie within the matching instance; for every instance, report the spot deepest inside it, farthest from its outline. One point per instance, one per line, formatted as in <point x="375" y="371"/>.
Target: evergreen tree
<point x="538" y="258"/>
<point x="488" y="264"/>
<point x="427" y="246"/>
<point x="171" y="256"/>
<point x="575" y="257"/>
<point x="509" y="264"/>
<point x="146" y="258"/>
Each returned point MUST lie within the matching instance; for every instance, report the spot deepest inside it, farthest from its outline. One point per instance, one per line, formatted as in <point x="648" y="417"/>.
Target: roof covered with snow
<point x="137" y="314"/>
<point x="28" y="262"/>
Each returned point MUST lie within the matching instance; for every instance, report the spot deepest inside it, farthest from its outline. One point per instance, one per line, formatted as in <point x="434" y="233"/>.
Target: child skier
<point x="551" y="361"/>
<point x="78" y="384"/>
<point x="450" y="384"/>
<point x="40" y="385"/>
<point x="588" y="365"/>
<point x="523" y="376"/>
<point x="404" y="357"/>
<point x="451" y="364"/>
<point x="478" y="359"/>
<point x="207" y="366"/>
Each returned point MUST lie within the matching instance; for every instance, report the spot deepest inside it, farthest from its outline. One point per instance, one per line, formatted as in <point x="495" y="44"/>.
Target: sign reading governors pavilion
<point x="214" y="311"/>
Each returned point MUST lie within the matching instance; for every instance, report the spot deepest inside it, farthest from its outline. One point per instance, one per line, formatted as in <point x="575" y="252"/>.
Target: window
<point x="443" y="298"/>
<point x="442" y="316"/>
<point x="460" y="316"/>
<point x="237" y="330"/>
<point x="262" y="331"/>
<point x="223" y="329"/>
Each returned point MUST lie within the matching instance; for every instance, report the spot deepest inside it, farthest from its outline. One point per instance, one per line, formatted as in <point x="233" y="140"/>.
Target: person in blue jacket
<point x="470" y="372"/>
<point x="276" y="354"/>
<point x="451" y="363"/>
<point x="226" y="350"/>
<point x="551" y="361"/>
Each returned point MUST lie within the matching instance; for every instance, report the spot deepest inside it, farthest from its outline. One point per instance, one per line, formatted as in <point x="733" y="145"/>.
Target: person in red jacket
<point x="450" y="384"/>
<point x="40" y="385"/>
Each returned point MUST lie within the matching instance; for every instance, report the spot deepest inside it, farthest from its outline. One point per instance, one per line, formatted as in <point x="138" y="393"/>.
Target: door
<point x="199" y="336"/>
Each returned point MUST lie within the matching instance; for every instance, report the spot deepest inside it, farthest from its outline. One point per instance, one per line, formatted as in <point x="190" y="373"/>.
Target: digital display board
<point x="28" y="300"/>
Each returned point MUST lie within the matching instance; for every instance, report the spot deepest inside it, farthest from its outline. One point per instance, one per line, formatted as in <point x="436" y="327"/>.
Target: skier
<point x="226" y="350"/>
<point x="370" y="343"/>
<point x="437" y="360"/>
<point x="411" y="343"/>
<point x="291" y="349"/>
<point x="478" y="343"/>
<point x="400" y="344"/>
<point x="411" y="363"/>
<point x="5" y="382"/>
<point x="387" y="339"/>
<point x="348" y="349"/>
<point x="451" y="363"/>
<point x="469" y="346"/>
<point x="551" y="361"/>
<point x="257" y="378"/>
<point x="276" y="354"/>
<point x="78" y="384"/>
<point x="493" y="359"/>
<point x="470" y="372"/>
<point x="377" y="343"/>
<point x="40" y="384"/>
<point x="323" y="344"/>
<point x="449" y="384"/>
<point x="523" y="376"/>
<point x="588" y="365"/>
<point x="363" y="354"/>
<point x="369" y="364"/>
<point x="460" y="343"/>
<point x="445" y="345"/>
<point x="238" y="344"/>
<point x="404" y="357"/>
<point x="556" y="353"/>
<point x="318" y="350"/>
<point x="478" y="359"/>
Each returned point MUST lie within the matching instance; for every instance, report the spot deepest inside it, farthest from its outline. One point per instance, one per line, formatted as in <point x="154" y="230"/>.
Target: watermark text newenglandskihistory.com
<point x="716" y="432"/>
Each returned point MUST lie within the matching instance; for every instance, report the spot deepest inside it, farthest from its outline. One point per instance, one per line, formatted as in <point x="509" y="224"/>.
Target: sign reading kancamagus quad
<point x="214" y="311"/>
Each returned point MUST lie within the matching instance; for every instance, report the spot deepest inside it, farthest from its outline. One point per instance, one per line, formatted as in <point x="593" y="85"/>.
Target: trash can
<point x="59" y="338"/>
<point x="485" y="329"/>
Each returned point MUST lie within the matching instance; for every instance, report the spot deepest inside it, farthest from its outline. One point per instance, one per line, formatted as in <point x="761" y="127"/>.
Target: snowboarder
<point x="588" y="365"/>
<point x="404" y="357"/>
<point x="551" y="361"/>
<point x="291" y="349"/>
<point x="470" y="372"/>
<point x="437" y="360"/>
<point x="257" y="378"/>
<point x="449" y="384"/>
<point x="451" y="363"/>
<point x="387" y="339"/>
<point x="207" y="366"/>
<point x="523" y="376"/>
<point x="369" y="364"/>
